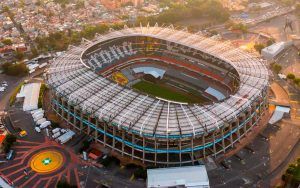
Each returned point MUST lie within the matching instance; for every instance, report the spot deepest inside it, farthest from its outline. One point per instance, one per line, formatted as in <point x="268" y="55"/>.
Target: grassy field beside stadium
<point x="165" y="92"/>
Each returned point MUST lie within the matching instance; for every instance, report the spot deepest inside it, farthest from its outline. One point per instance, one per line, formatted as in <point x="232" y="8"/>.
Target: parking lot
<point x="74" y="170"/>
<point x="252" y="165"/>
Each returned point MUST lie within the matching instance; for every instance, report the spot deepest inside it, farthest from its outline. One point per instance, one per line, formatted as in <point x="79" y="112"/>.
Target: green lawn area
<point x="164" y="92"/>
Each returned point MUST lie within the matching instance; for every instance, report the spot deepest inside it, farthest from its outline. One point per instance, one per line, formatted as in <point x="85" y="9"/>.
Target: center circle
<point x="46" y="161"/>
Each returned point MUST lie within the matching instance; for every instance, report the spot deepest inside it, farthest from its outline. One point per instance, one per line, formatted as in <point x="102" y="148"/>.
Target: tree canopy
<point x="192" y="9"/>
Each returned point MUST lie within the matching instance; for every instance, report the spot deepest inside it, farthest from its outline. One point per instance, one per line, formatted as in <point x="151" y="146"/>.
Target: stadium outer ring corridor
<point x="47" y="161"/>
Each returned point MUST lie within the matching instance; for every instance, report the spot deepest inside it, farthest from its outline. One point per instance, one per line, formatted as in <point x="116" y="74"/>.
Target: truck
<point x="45" y="124"/>
<point x="40" y="121"/>
<point x="66" y="137"/>
<point x="37" y="113"/>
<point x="37" y="110"/>
<point x="57" y="134"/>
<point x="55" y="130"/>
<point x="38" y="117"/>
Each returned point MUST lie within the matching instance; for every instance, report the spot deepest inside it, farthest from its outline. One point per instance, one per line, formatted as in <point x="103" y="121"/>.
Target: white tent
<point x="30" y="92"/>
<point x="189" y="176"/>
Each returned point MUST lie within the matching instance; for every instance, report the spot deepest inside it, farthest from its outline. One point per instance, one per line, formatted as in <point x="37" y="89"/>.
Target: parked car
<point x="37" y="129"/>
<point x="10" y="155"/>
<point x="23" y="133"/>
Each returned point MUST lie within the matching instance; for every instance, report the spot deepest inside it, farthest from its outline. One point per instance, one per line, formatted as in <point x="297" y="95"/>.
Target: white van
<point x="38" y="117"/>
<point x="55" y="130"/>
<point x="40" y="121"/>
<point x="37" y="110"/>
<point x="45" y="124"/>
<point x="37" y="129"/>
<point x="37" y="113"/>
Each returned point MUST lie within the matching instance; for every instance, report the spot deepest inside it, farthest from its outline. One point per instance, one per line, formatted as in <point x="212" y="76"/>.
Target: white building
<point x="272" y="51"/>
<point x="30" y="92"/>
<point x="190" y="176"/>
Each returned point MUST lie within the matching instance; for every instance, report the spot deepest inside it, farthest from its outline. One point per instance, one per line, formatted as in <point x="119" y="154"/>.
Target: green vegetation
<point x="276" y="68"/>
<point x="79" y="4"/>
<point x="270" y="41"/>
<point x="7" y="42"/>
<point x="291" y="76"/>
<point x="62" y="3"/>
<point x="41" y="95"/>
<point x="8" y="142"/>
<point x="192" y="9"/>
<point x="59" y="41"/>
<point x="258" y="47"/>
<point x="12" y="98"/>
<point x="15" y="69"/>
<point x="292" y="175"/>
<point x="241" y="27"/>
<point x="297" y="81"/>
<point x="19" y="55"/>
<point x="162" y="91"/>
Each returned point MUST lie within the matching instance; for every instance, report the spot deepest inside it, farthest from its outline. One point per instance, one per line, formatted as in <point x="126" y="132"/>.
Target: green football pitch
<point x="165" y="92"/>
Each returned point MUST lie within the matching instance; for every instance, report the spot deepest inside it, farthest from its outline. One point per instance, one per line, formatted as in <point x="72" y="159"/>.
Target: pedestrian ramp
<point x="279" y="113"/>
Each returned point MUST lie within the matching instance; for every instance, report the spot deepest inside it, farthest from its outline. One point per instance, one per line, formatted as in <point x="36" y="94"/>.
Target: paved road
<point x="13" y="82"/>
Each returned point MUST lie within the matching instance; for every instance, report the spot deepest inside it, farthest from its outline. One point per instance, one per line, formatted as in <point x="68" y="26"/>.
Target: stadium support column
<point x="81" y="121"/>
<point x="231" y="136"/>
<point x="155" y="154"/>
<point x="74" y="120"/>
<point x="214" y="145"/>
<point x="143" y="150"/>
<point x="114" y="138"/>
<point x="69" y="116"/>
<point x="97" y="127"/>
<point x="167" y="151"/>
<point x="133" y="142"/>
<point x="223" y="140"/>
<point x="89" y="128"/>
<point x="192" y="148"/>
<point x="63" y="102"/>
<point x="123" y="139"/>
<point x="203" y="144"/>
<point x="104" y="136"/>
<point x="244" y="121"/>
<point x="238" y="129"/>
<point x="180" y="157"/>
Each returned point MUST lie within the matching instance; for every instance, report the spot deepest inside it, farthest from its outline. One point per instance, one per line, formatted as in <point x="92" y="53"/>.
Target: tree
<point x="276" y="68"/>
<point x="297" y="81"/>
<point x="17" y="69"/>
<point x="291" y="76"/>
<point x="240" y="27"/>
<point x="270" y="41"/>
<point x="79" y="4"/>
<point x="7" y="42"/>
<point x="258" y="47"/>
<point x="19" y="55"/>
<point x="291" y="176"/>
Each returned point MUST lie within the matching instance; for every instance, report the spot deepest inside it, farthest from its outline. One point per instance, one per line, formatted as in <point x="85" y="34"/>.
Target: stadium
<point x="160" y="95"/>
